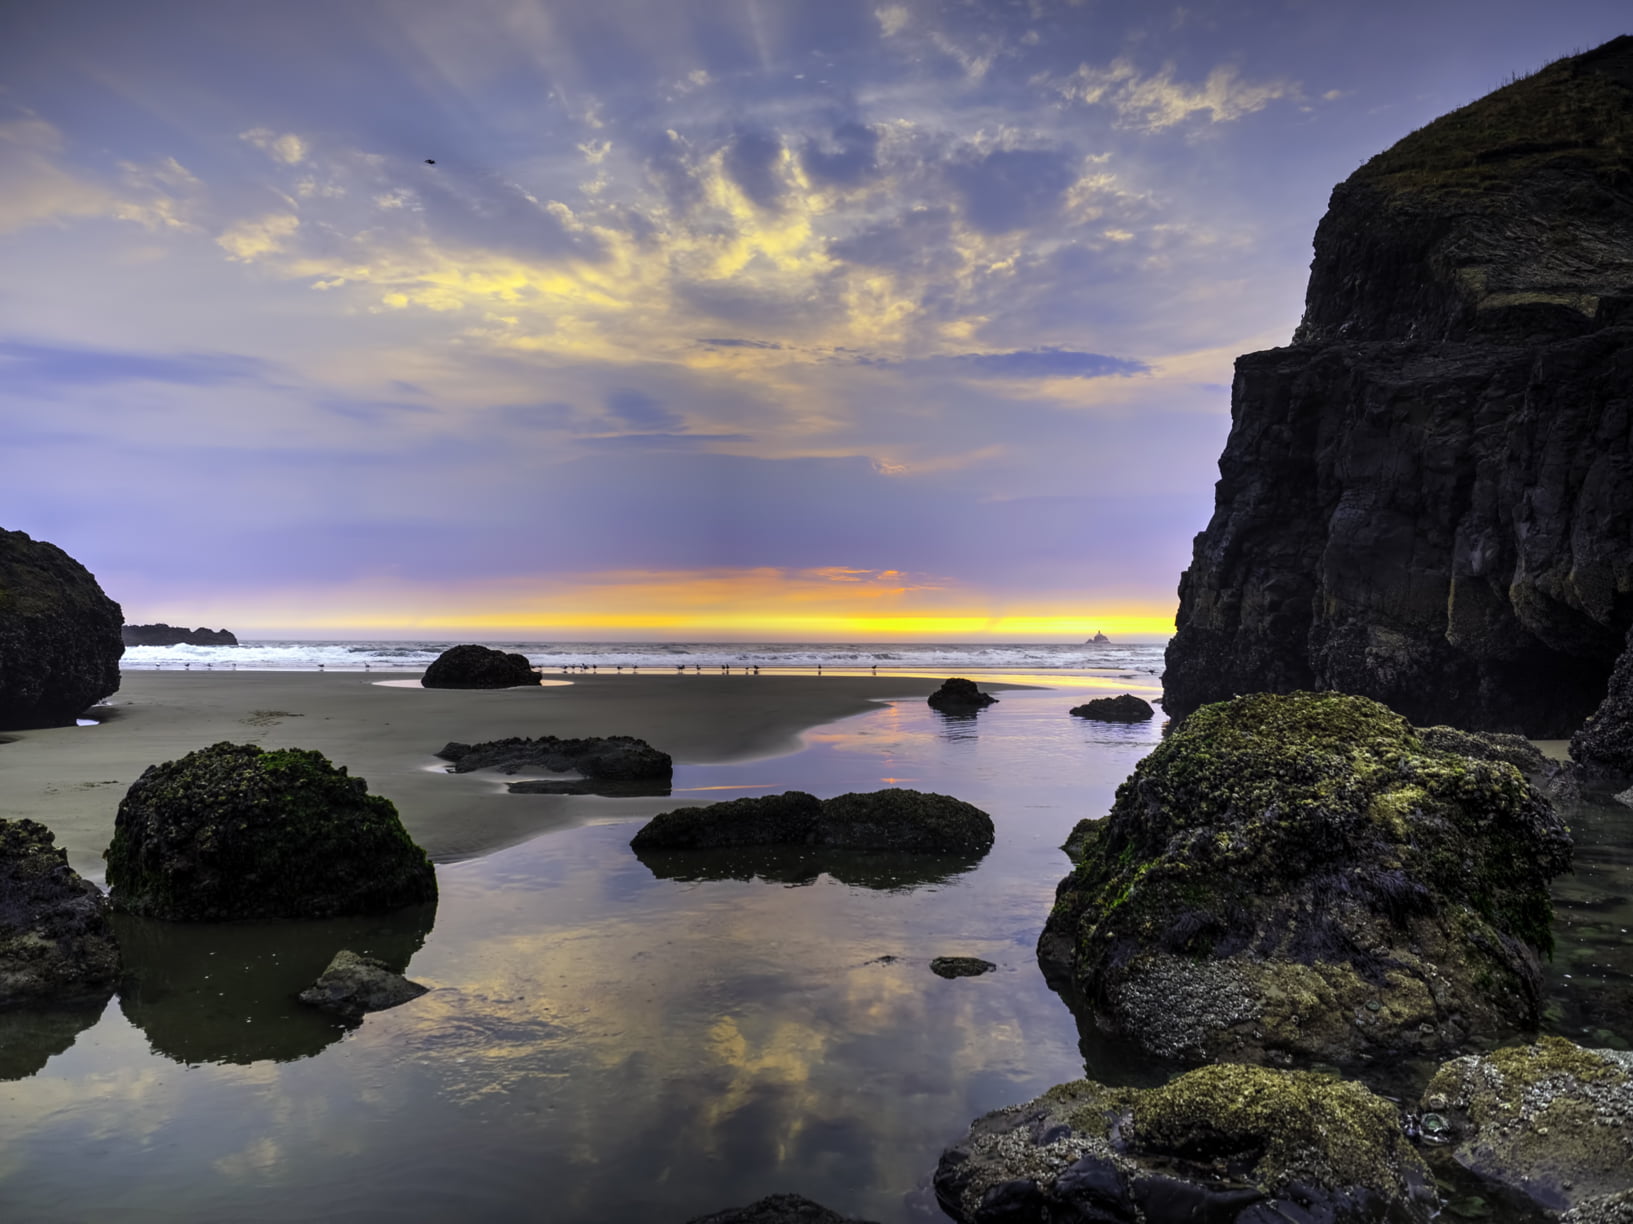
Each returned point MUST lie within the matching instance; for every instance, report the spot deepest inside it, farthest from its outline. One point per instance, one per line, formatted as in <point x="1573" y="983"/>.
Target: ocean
<point x="1134" y="660"/>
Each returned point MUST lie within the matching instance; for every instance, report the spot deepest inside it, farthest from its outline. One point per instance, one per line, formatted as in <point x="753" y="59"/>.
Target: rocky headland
<point x="1425" y="499"/>
<point x="162" y="634"/>
<point x="59" y="636"/>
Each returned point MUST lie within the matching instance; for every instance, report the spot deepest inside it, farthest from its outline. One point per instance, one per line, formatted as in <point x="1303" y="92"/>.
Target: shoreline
<point x="71" y="779"/>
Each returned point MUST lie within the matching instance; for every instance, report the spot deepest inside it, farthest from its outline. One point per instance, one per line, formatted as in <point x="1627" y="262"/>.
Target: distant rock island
<point x="1425" y="498"/>
<point x="169" y="635"/>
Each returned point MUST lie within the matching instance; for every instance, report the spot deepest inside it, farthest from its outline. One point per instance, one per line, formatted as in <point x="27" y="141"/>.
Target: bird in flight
<point x="430" y="162"/>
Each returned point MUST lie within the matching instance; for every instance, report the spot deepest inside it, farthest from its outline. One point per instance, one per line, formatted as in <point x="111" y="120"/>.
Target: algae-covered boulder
<point x="1123" y="708"/>
<point x="1225" y="1143"/>
<point x="1301" y="876"/>
<point x="234" y="831"/>
<point x="1518" y="751"/>
<point x="55" y="942"/>
<point x="59" y="636"/>
<point x="959" y="696"/>
<point x="1551" y="1120"/>
<point x="607" y="758"/>
<point x="478" y="667"/>
<point x="896" y="819"/>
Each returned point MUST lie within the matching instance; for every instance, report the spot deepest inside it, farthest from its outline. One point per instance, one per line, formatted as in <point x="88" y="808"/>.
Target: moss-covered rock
<point x="234" y="831"/>
<point x="1299" y="876"/>
<point x="895" y="819"/>
<point x="1222" y="1143"/>
<point x="1518" y="751"/>
<point x="55" y="942"/>
<point x="59" y="636"/>
<point x="1551" y="1120"/>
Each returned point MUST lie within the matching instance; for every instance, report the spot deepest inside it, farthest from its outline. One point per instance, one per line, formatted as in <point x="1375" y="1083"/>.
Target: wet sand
<point x="71" y="778"/>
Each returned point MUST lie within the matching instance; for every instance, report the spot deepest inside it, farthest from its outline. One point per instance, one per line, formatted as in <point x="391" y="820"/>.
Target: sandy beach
<point x="72" y="778"/>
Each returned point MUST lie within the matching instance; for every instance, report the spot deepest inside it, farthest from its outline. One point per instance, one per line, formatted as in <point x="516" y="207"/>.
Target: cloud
<point x="33" y="187"/>
<point x="892" y="19"/>
<point x="36" y="367"/>
<point x="752" y="160"/>
<point x="1152" y="103"/>
<point x="638" y="411"/>
<point x="287" y="148"/>
<point x="249" y="240"/>
<point x="1010" y="189"/>
<point x="1047" y="362"/>
<point x="843" y="157"/>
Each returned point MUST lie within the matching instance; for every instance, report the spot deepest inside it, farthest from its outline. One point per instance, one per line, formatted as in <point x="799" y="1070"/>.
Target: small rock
<point x="960" y="966"/>
<point x="1125" y="708"/>
<point x="959" y="695"/>
<point x="354" y="985"/>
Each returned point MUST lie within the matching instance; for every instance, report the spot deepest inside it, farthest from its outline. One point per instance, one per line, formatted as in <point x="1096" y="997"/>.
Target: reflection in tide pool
<point x="605" y="1039"/>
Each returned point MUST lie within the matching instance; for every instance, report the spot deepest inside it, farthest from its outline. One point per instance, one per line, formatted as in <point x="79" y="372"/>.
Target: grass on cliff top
<point x="1578" y="109"/>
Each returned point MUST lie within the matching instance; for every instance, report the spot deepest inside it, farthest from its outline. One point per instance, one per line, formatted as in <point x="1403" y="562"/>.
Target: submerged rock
<point x="1125" y="708"/>
<point x="353" y="985"/>
<point x="1423" y="498"/>
<point x="960" y="966"/>
<point x="59" y="636"/>
<point x="1551" y="1120"/>
<point x="1301" y="877"/>
<point x="235" y="831"/>
<point x="778" y="1209"/>
<point x="478" y="667"/>
<point x="55" y="942"/>
<point x="1222" y="1143"/>
<point x="959" y="696"/>
<point x="894" y="819"/>
<point x="613" y="758"/>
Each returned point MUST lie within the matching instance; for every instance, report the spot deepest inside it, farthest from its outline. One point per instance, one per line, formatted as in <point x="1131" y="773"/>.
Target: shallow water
<point x="609" y="1039"/>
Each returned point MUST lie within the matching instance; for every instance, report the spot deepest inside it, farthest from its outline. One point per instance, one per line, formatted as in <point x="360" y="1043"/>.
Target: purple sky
<point x="789" y="318"/>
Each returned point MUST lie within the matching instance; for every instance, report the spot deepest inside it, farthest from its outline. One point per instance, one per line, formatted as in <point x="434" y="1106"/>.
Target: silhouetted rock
<point x="59" y="636"/>
<point x="1604" y="744"/>
<point x="960" y="966"/>
<point x="959" y="696"/>
<point x="478" y="667"/>
<point x="1552" y="1120"/>
<point x="55" y="942"/>
<point x="613" y="758"/>
<point x="1221" y="1143"/>
<point x="162" y="634"/>
<point x="1126" y="708"/>
<point x="778" y="1209"/>
<point x="234" y="831"/>
<point x="353" y="985"/>
<point x="1424" y="499"/>
<point x="895" y="819"/>
<point x="1300" y="876"/>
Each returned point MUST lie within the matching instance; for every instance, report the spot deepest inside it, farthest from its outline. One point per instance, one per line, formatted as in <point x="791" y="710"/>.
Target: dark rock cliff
<point x="59" y="636"/>
<point x="162" y="634"/>
<point x="1426" y="498"/>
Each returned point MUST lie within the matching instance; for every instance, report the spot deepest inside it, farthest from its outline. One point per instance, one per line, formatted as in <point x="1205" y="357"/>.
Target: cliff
<point x="169" y="635"/>
<point x="59" y="636"/>
<point x="1425" y="499"/>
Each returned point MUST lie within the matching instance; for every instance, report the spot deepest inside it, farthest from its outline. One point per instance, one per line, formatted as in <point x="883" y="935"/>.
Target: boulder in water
<point x="354" y="985"/>
<point x="1124" y="708"/>
<point x="959" y="696"/>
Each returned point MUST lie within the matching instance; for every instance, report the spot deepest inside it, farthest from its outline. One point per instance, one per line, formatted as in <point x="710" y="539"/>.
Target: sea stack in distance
<point x="1424" y="498"/>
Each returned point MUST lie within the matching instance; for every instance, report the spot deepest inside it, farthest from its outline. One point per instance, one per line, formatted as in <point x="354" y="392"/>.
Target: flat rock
<point x="56" y="945"/>
<point x="612" y="758"/>
<point x="895" y="819"/>
<point x="1125" y="708"/>
<point x="960" y="966"/>
<point x="778" y="1209"/>
<point x="478" y="667"/>
<point x="1225" y="1143"/>
<point x="353" y="985"/>
<point x="1551" y="1120"/>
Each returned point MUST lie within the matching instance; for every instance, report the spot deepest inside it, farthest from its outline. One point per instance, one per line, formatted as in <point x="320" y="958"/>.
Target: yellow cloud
<point x="253" y="239"/>
<point x="286" y="147"/>
<point x="33" y="188"/>
<point x="1155" y="102"/>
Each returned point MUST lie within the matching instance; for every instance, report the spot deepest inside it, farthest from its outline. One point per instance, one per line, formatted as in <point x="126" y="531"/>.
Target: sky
<point x="672" y="319"/>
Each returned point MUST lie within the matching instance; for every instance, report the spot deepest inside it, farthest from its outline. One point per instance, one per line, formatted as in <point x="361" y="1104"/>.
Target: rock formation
<point x="895" y="819"/>
<point x="959" y="696"/>
<point x="55" y="942"/>
<point x="1301" y="877"/>
<point x="1553" y="1121"/>
<point x="1425" y="498"/>
<point x="59" y="636"/>
<point x="609" y="758"/>
<point x="478" y="667"/>
<point x="777" y="1209"/>
<point x="1124" y="708"/>
<point x="233" y="831"/>
<point x="162" y="634"/>
<point x="354" y="985"/>
<point x="1222" y="1143"/>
